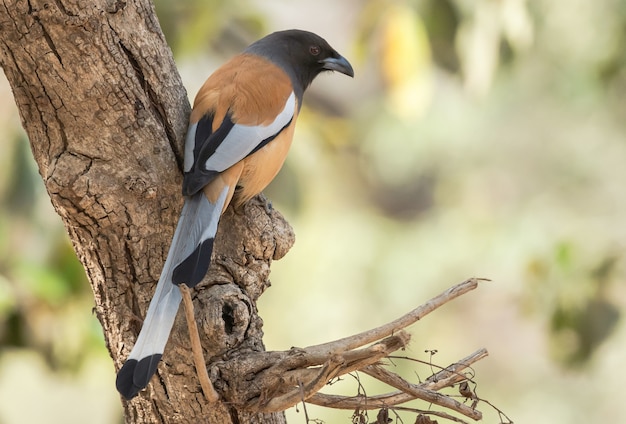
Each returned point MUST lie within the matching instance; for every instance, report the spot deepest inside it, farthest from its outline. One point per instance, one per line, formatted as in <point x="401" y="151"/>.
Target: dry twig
<point x="198" y="358"/>
<point x="418" y="392"/>
<point x="447" y="377"/>
<point x="370" y="336"/>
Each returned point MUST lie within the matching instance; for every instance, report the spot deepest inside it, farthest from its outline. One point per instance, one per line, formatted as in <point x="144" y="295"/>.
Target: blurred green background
<point x="479" y="138"/>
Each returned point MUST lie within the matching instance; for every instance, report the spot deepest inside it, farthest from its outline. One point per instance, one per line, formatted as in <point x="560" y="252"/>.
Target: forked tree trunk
<point x="105" y="111"/>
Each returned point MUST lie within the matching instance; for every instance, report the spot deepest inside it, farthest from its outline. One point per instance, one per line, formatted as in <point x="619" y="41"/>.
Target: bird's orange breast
<point x="254" y="92"/>
<point x="251" y="88"/>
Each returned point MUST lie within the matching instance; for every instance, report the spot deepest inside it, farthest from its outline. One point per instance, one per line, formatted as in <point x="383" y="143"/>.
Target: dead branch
<point x="418" y="392"/>
<point x="447" y="377"/>
<point x="275" y="381"/>
<point x="341" y="363"/>
<point x="370" y="336"/>
<point x="196" y="348"/>
<point x="451" y="375"/>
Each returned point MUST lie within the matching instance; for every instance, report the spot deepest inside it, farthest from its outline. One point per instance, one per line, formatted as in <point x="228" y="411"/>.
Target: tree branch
<point x="418" y="392"/>
<point x="278" y="380"/>
<point x="445" y="378"/>
<point x="361" y="339"/>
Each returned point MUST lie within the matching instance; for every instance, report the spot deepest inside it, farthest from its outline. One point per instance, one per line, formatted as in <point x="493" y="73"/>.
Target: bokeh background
<point x="479" y="138"/>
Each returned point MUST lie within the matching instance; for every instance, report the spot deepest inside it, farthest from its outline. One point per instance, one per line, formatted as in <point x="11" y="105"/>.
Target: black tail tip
<point x="193" y="269"/>
<point x="135" y="375"/>
<point x="124" y="381"/>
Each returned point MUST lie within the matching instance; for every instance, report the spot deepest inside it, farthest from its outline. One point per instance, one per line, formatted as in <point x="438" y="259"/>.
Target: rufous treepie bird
<point x="240" y="130"/>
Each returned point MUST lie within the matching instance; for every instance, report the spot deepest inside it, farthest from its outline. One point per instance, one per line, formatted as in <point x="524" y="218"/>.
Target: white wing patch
<point x="242" y="139"/>
<point x="190" y="142"/>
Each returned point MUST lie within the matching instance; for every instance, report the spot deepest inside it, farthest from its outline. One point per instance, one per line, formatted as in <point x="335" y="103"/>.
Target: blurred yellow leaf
<point x="406" y="61"/>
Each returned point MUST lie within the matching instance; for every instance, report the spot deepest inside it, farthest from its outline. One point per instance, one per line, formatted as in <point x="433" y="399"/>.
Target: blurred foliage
<point x="209" y="26"/>
<point x="42" y="284"/>
<point x="575" y="296"/>
<point x="479" y="138"/>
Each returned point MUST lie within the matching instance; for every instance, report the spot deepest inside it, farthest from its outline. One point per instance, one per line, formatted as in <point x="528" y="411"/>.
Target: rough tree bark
<point x="105" y="111"/>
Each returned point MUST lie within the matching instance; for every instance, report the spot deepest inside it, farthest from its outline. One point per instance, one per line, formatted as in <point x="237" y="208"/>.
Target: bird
<point x="240" y="129"/>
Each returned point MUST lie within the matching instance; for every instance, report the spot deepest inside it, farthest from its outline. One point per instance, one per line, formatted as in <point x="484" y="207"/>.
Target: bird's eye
<point x="315" y="50"/>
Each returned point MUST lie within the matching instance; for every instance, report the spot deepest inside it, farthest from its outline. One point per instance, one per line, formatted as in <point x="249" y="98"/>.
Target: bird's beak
<point x="339" y="64"/>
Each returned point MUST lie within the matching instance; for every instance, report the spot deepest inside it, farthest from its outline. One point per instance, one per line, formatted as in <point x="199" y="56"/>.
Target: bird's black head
<point x="302" y="54"/>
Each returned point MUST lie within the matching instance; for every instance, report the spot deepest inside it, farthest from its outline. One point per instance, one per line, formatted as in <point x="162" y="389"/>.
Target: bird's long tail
<point x="187" y="262"/>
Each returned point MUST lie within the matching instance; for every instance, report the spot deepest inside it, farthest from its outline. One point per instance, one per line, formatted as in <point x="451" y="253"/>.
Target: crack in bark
<point x="62" y="8"/>
<point x="163" y="385"/>
<point x="129" y="259"/>
<point x="158" y="411"/>
<point x="234" y="415"/>
<point x="155" y="103"/>
<point x="46" y="34"/>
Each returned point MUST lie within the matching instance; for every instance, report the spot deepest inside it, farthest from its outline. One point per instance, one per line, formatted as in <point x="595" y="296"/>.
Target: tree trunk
<point x="106" y="113"/>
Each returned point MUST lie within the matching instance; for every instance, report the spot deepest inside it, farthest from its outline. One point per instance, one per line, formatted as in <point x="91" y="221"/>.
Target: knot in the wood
<point x="247" y="241"/>
<point x="223" y="315"/>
